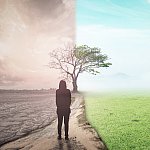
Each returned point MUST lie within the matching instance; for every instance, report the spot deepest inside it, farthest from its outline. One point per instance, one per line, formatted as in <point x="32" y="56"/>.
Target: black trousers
<point x="63" y="115"/>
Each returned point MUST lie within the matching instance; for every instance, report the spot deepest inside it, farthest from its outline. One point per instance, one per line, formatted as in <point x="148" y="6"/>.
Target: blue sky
<point x="114" y="13"/>
<point x="122" y="30"/>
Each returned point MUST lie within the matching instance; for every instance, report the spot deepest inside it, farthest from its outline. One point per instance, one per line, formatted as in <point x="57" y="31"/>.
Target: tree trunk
<point x="75" y="87"/>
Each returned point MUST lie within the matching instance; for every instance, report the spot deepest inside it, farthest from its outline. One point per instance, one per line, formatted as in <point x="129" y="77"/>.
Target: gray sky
<point x="29" y="29"/>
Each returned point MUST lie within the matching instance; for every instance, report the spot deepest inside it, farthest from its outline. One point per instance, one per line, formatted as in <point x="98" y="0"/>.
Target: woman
<point x="63" y="102"/>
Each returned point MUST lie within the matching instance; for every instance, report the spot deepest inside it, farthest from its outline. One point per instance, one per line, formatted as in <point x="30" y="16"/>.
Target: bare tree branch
<point x="73" y="60"/>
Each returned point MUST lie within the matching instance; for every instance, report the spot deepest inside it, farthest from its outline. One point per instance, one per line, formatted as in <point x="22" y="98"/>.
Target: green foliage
<point x="121" y="119"/>
<point x="90" y="58"/>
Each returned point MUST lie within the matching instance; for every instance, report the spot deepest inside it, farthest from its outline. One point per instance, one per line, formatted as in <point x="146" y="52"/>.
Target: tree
<point x="73" y="60"/>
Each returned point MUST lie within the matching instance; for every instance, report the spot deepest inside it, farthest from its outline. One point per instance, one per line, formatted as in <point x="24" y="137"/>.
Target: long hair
<point x="62" y="85"/>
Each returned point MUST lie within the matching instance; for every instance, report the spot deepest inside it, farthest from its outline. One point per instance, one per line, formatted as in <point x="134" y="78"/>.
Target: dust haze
<point x="29" y="29"/>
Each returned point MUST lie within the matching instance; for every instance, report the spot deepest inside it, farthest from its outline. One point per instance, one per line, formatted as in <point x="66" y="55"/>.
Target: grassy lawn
<point x="122" y="119"/>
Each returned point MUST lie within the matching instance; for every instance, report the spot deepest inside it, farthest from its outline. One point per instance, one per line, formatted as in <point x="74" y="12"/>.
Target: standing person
<point x="63" y="102"/>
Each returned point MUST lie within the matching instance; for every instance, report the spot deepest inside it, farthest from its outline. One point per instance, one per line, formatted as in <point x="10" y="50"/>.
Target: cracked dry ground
<point x="21" y="113"/>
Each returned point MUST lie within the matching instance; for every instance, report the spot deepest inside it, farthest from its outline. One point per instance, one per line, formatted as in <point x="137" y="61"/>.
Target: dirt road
<point x="81" y="135"/>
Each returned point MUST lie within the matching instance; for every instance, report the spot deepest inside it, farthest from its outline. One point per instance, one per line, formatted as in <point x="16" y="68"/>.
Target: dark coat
<point x="63" y="101"/>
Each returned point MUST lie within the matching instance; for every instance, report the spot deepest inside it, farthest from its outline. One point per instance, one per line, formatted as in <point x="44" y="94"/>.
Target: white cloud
<point x="148" y="1"/>
<point x="129" y="49"/>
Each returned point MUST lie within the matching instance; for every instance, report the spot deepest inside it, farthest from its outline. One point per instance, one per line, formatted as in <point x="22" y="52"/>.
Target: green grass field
<point x="122" y="119"/>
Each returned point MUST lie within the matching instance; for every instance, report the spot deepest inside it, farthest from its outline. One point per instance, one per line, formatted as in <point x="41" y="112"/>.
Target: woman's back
<point x="63" y="98"/>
